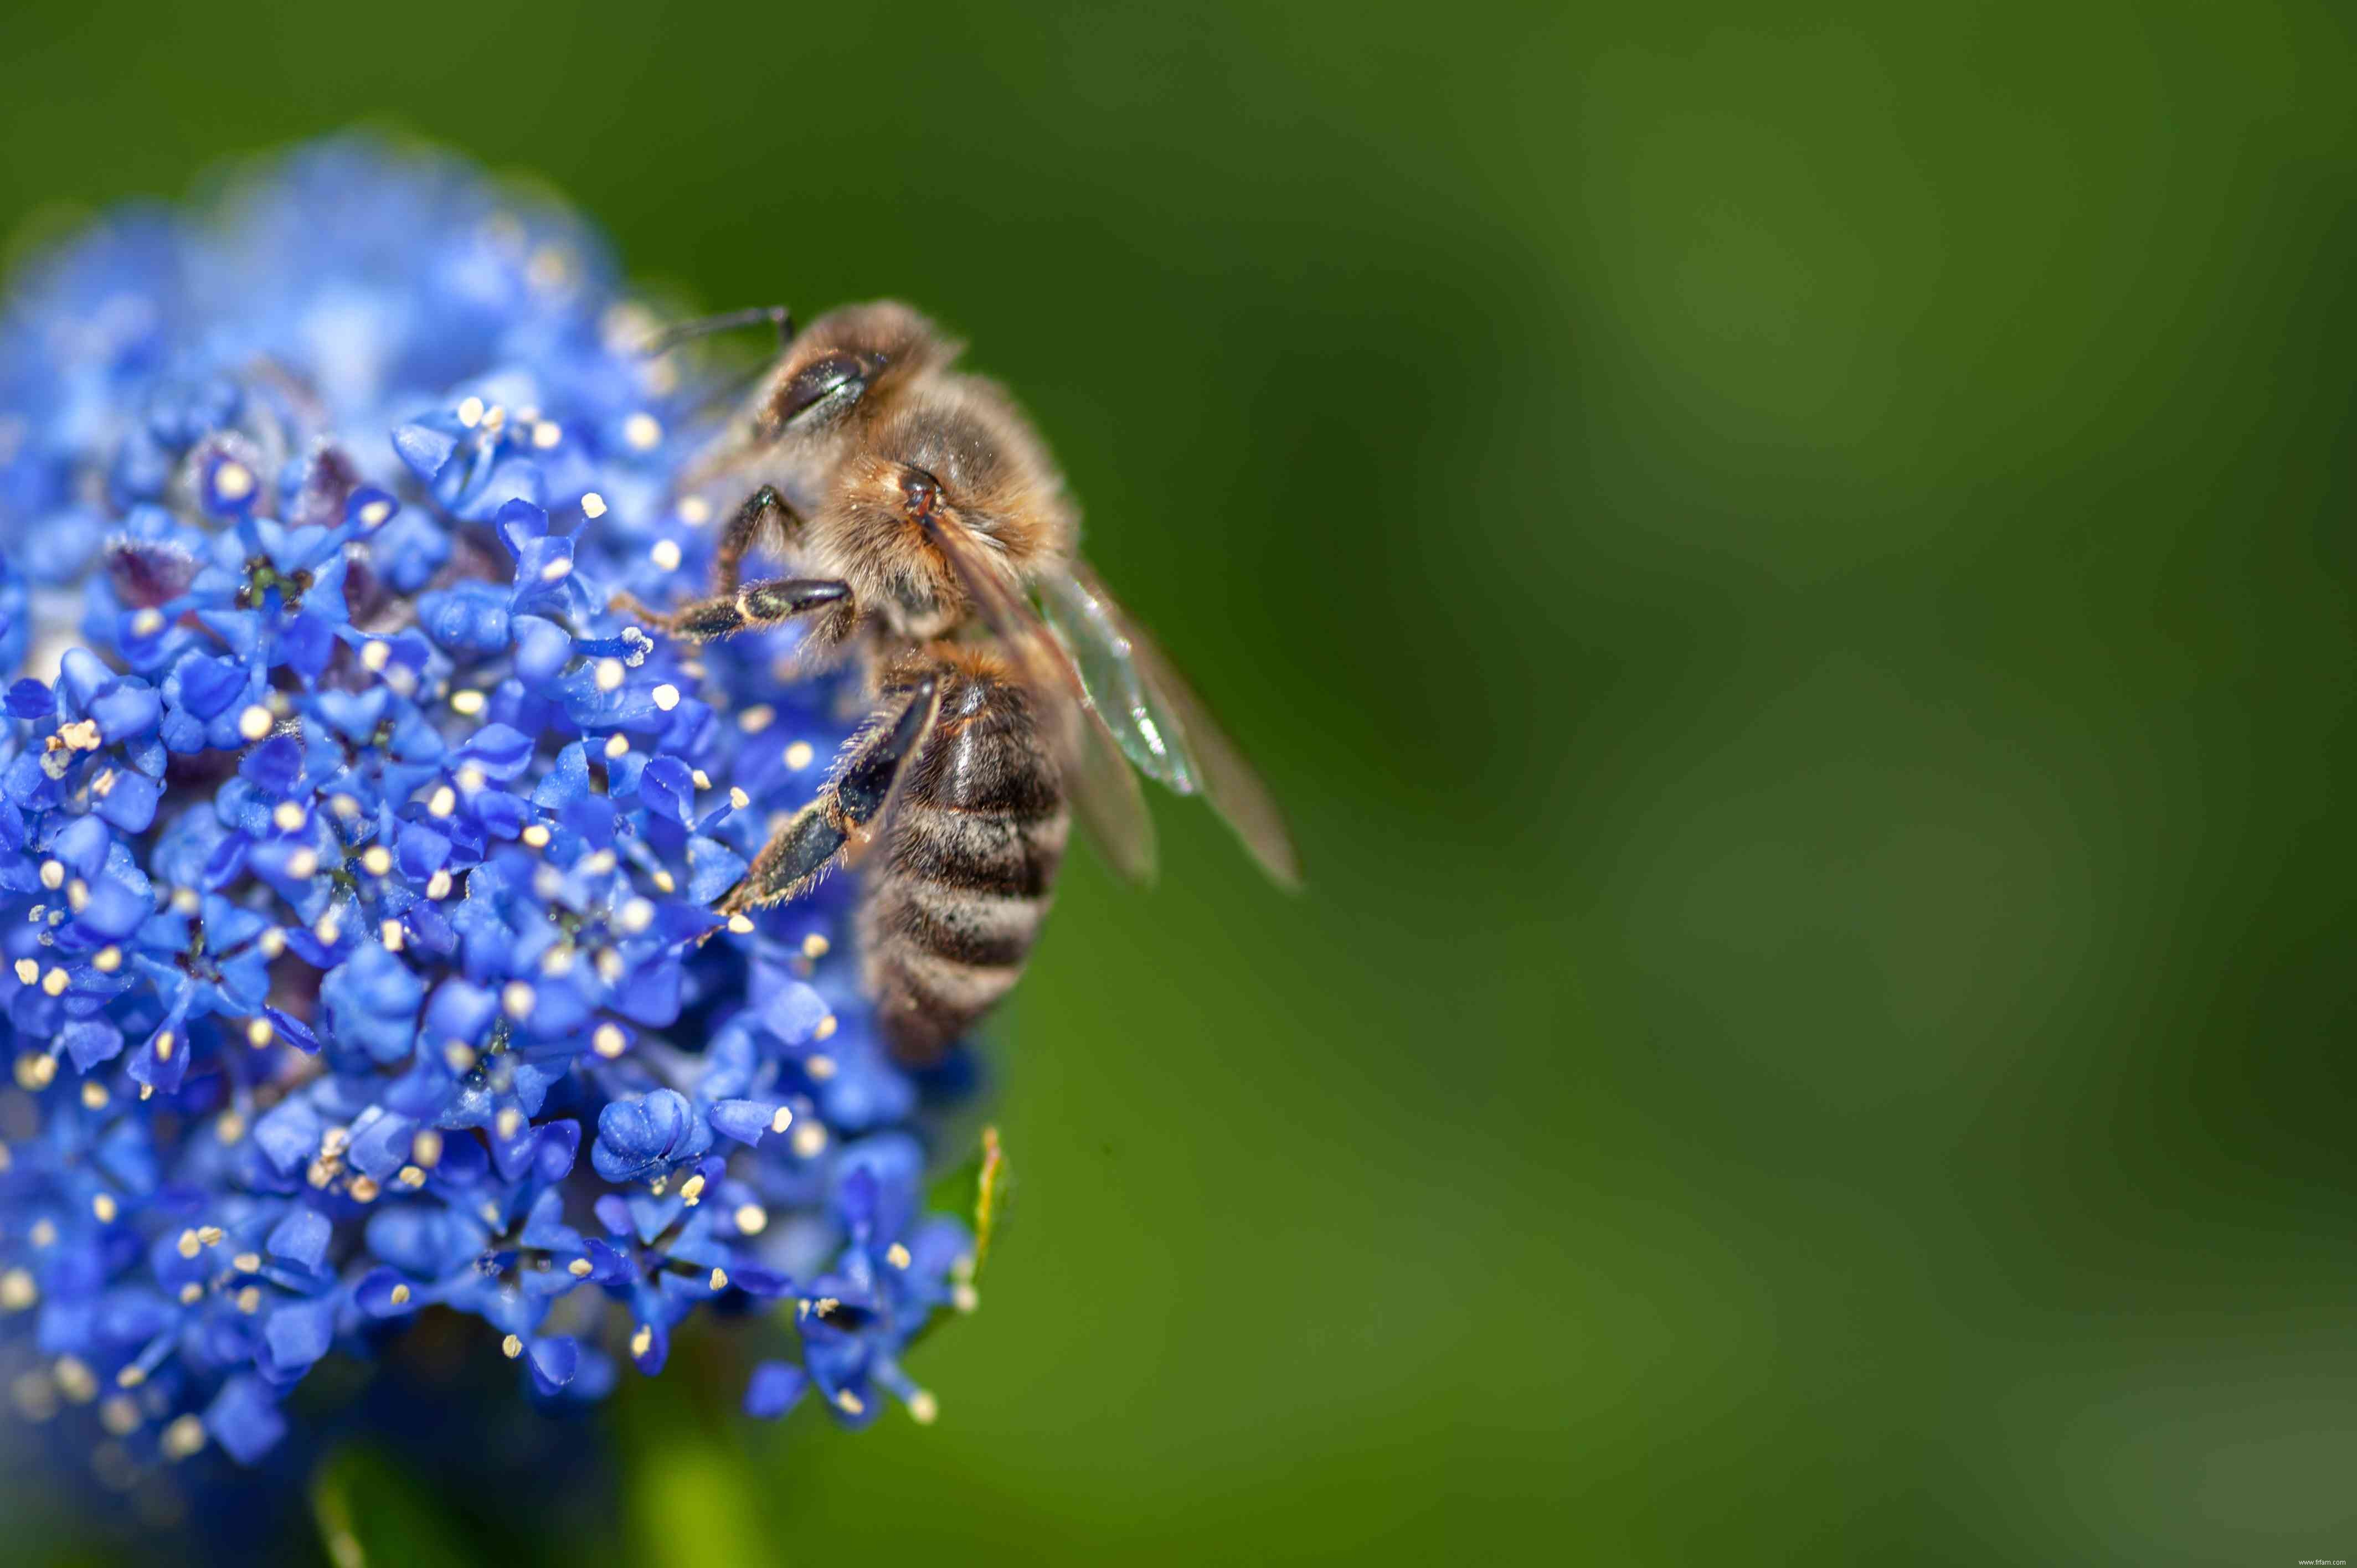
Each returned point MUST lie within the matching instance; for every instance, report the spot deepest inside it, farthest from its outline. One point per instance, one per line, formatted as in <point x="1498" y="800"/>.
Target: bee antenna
<point x="672" y="337"/>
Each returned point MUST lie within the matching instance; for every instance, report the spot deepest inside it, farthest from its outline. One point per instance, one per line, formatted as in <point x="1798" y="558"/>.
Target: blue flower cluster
<point x="356" y="861"/>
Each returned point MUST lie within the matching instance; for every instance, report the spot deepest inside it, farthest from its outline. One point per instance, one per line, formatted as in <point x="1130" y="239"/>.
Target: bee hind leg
<point x="800" y="851"/>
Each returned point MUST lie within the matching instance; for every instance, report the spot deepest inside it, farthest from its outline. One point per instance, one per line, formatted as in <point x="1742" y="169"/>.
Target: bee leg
<point x="754" y="605"/>
<point x="800" y="853"/>
<point x="744" y="530"/>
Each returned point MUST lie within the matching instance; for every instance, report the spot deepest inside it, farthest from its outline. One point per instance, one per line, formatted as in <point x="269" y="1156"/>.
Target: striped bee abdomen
<point x="957" y="895"/>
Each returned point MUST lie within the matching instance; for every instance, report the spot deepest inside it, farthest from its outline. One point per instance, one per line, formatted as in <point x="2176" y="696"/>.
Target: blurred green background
<point x="1794" y="576"/>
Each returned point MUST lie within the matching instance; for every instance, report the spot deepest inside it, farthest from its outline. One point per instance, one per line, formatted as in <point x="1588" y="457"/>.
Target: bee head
<point x="840" y="363"/>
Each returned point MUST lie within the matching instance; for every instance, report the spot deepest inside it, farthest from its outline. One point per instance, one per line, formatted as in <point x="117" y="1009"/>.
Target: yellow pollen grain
<point x="810" y="1140"/>
<point x="696" y="511"/>
<point x="148" y="622"/>
<point x="211" y="1235"/>
<point x="376" y="655"/>
<point x="691" y="1191"/>
<point x="826" y="1028"/>
<point x="29" y="970"/>
<point x="757" y="718"/>
<point x="578" y="1268"/>
<point x="821" y="1068"/>
<point x="666" y="696"/>
<point x="593" y="505"/>
<point x="467" y="703"/>
<point x="438" y="885"/>
<point x="108" y="959"/>
<point x="470" y="412"/>
<point x="517" y="996"/>
<point x="850" y="1403"/>
<point x="780" y="1119"/>
<point x="471" y="778"/>
<point x="184" y="1439"/>
<point x="546" y="433"/>
<point x="234" y="481"/>
<point x="303" y="864"/>
<point x="459" y="1055"/>
<point x="401" y="1295"/>
<point x="410" y="1177"/>
<point x="923" y="1408"/>
<point x="641" y="431"/>
<point x="329" y="930"/>
<point x="286" y="816"/>
<point x="535" y="837"/>
<point x="44" y="1233"/>
<point x="247" y="1262"/>
<point x="364" y="1189"/>
<point x="665" y="883"/>
<point x="248" y="1300"/>
<point x="104" y="1205"/>
<point x="36" y="1071"/>
<point x="426" y="1147"/>
<point x="556" y="570"/>
<point x="511" y="1123"/>
<point x="703" y="779"/>
<point x="189" y="1244"/>
<point x="609" y="1041"/>
<point x="719" y="1279"/>
<point x="376" y="860"/>
<point x="191" y="1293"/>
<point x="18" y="1290"/>
<point x="644" y="1340"/>
<point x="617" y="745"/>
<point x="187" y="900"/>
<point x="53" y="875"/>
<point x="390" y="934"/>
<point x="741" y="923"/>
<point x="229" y="1128"/>
<point x="444" y="800"/>
<point x="665" y="554"/>
<point x="815" y="946"/>
<point x="752" y="1219"/>
<point x="898" y="1256"/>
<point x="258" y="1033"/>
<point x="511" y="1347"/>
<point x="75" y="1380"/>
<point x="272" y="942"/>
<point x="164" y="1042"/>
<point x="54" y="982"/>
<point x="373" y="514"/>
<point x="255" y="721"/>
<point x="738" y="798"/>
<point x="93" y="1094"/>
<point x="799" y="755"/>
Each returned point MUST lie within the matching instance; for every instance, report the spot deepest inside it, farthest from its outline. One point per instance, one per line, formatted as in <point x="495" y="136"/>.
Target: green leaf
<point x="979" y="1187"/>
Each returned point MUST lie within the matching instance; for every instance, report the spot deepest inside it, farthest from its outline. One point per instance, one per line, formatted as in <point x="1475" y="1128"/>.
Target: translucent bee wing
<point x="1096" y="637"/>
<point x="1161" y="713"/>
<point x="1099" y="782"/>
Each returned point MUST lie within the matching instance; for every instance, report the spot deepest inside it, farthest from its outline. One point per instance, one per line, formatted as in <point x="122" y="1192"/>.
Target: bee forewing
<point x="1095" y="637"/>
<point x="1211" y="760"/>
<point x="1103" y="788"/>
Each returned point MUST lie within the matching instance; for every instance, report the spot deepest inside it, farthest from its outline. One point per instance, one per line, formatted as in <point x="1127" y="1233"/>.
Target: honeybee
<point x="936" y="548"/>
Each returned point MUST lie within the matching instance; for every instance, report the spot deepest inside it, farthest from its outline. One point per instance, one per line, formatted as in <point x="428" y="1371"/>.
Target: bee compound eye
<point x="822" y="380"/>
